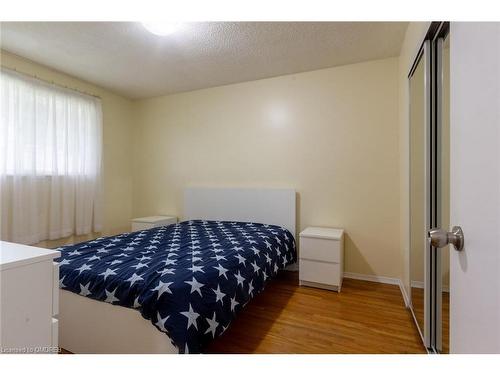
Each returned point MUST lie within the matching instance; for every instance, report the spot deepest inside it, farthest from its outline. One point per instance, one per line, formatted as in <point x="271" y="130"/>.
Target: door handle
<point x="441" y="238"/>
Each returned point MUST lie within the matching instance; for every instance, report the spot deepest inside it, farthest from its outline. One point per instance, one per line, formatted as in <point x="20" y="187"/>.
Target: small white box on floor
<point x="321" y="258"/>
<point x="149" y="222"/>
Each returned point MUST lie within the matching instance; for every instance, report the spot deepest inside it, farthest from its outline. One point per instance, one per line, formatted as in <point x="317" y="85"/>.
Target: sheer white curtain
<point x="50" y="160"/>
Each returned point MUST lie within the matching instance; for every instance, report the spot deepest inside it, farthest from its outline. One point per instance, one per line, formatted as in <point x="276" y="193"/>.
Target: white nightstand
<point x="149" y="222"/>
<point x="321" y="259"/>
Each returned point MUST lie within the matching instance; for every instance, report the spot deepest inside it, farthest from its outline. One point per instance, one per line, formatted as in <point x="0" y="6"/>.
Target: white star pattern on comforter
<point x="189" y="279"/>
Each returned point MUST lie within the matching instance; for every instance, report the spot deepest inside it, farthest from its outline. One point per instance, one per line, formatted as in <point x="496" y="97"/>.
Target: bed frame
<point x="90" y="326"/>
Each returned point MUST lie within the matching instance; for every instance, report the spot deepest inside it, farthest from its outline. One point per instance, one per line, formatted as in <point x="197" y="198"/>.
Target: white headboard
<point x="267" y="206"/>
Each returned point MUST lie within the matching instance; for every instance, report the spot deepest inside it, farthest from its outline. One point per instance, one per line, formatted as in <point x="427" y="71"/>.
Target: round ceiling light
<point x="162" y="28"/>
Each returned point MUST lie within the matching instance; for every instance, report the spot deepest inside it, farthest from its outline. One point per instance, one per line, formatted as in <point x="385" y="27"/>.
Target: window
<point x="50" y="160"/>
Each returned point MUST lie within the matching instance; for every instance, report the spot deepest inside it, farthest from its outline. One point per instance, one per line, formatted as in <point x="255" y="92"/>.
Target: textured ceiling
<point x="127" y="59"/>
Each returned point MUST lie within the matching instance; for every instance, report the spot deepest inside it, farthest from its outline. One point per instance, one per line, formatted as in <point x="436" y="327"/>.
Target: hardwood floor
<point x="417" y="298"/>
<point x="446" y="323"/>
<point x="417" y="295"/>
<point x="365" y="317"/>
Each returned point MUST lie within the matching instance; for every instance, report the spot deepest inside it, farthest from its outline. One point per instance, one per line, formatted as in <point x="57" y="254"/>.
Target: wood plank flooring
<point x="446" y="323"/>
<point x="365" y="317"/>
<point x="417" y="295"/>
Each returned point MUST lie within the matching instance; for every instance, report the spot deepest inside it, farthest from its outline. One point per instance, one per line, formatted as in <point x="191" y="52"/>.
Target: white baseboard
<point x="381" y="279"/>
<point x="420" y="285"/>
<point x="377" y="279"/>
<point x="417" y="284"/>
<point x="406" y="298"/>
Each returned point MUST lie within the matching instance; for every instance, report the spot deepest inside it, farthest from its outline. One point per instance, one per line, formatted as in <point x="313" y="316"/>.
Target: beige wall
<point x="117" y="125"/>
<point x="413" y="38"/>
<point x="331" y="134"/>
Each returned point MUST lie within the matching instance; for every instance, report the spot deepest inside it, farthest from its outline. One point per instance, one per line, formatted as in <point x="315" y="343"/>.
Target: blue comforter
<point x="189" y="279"/>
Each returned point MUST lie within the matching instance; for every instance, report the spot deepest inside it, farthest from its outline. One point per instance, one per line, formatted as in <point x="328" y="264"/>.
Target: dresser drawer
<point x="320" y="272"/>
<point x="321" y="249"/>
<point x="55" y="289"/>
<point x="55" y="332"/>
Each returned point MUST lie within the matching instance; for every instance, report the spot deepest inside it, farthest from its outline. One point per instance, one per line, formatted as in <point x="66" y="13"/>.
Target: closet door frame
<point x="431" y="51"/>
<point x="436" y="155"/>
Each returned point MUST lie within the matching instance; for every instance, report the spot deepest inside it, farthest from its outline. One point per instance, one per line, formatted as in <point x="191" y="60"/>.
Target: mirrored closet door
<point x="429" y="186"/>
<point x="419" y="178"/>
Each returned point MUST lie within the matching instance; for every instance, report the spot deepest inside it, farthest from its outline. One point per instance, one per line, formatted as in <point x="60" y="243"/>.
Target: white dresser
<point x="29" y="299"/>
<point x="142" y="223"/>
<point x="321" y="258"/>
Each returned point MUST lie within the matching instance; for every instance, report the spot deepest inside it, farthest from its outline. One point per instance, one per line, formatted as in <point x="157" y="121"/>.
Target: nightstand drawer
<point x="320" y="249"/>
<point x="319" y="272"/>
<point x="144" y="223"/>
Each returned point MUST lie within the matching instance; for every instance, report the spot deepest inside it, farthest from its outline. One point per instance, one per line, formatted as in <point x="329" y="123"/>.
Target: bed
<point x="174" y="289"/>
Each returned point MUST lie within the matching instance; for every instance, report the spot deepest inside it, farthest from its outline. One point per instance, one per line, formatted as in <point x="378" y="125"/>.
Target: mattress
<point x="189" y="280"/>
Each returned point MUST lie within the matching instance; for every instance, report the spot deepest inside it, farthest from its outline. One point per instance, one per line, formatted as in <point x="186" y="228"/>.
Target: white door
<point x="475" y="187"/>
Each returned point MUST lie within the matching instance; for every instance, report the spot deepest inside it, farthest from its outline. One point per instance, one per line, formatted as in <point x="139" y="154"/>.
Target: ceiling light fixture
<point x="162" y="28"/>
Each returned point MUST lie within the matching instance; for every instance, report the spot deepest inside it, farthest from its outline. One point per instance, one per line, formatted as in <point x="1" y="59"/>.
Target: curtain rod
<point x="51" y="82"/>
